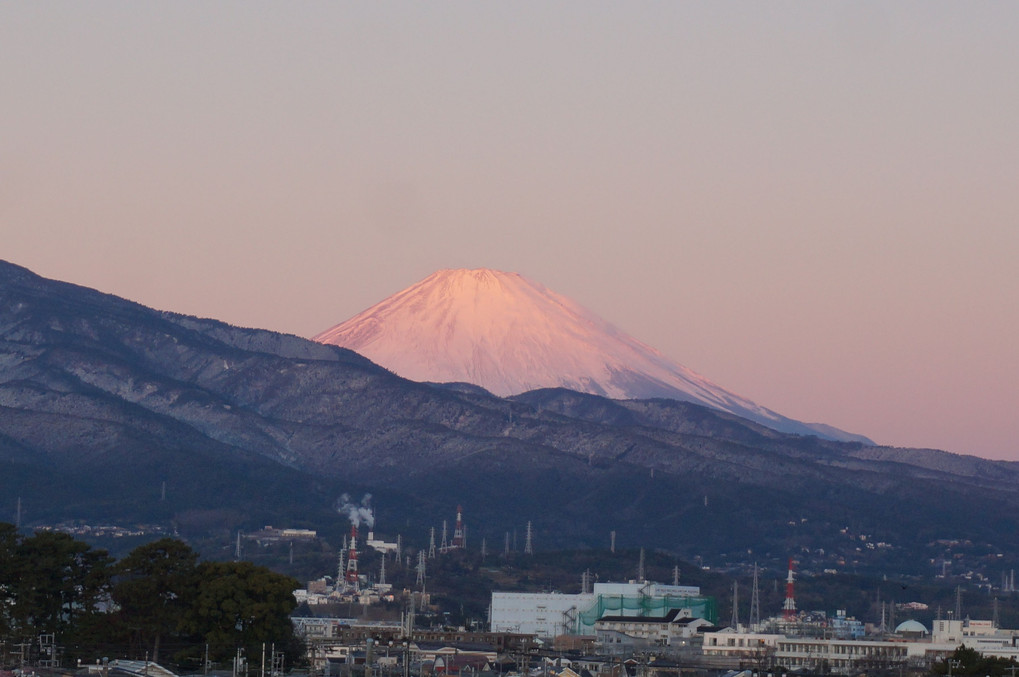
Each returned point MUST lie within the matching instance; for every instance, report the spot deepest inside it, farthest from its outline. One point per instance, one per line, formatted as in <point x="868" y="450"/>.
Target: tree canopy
<point x="157" y="598"/>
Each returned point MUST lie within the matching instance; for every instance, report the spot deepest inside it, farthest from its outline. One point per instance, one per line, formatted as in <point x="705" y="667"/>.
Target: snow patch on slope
<point x="510" y="335"/>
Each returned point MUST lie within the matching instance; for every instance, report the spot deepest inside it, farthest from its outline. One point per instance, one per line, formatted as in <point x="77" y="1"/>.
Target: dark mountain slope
<point x="102" y="400"/>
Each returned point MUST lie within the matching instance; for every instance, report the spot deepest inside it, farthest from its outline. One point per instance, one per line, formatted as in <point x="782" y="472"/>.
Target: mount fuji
<point x="510" y="335"/>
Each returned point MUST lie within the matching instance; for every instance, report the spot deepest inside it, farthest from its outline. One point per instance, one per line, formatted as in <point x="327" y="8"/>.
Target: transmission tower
<point x="421" y="570"/>
<point x="755" y="603"/>
<point x="445" y="545"/>
<point x="958" y="602"/>
<point x="528" y="546"/>
<point x="399" y="548"/>
<point x="431" y="543"/>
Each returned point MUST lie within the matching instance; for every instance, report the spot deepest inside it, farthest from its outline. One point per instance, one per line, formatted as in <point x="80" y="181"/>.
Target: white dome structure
<point x="911" y="629"/>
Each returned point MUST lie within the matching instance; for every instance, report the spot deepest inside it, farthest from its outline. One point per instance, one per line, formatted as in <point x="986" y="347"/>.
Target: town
<point x="357" y="621"/>
<point x="637" y="627"/>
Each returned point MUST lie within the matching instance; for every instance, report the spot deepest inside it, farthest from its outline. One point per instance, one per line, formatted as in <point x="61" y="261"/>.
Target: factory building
<point x="550" y="614"/>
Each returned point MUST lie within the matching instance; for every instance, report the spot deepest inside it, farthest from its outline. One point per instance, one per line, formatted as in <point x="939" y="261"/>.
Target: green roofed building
<point x="554" y="614"/>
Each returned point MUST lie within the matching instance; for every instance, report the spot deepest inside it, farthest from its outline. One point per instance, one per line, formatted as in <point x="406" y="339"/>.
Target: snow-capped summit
<point x="509" y="335"/>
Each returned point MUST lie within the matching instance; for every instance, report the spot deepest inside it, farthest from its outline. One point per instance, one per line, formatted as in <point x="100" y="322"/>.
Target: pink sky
<point x="814" y="205"/>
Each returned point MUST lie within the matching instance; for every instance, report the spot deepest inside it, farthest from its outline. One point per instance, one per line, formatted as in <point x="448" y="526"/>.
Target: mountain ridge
<point x="102" y="400"/>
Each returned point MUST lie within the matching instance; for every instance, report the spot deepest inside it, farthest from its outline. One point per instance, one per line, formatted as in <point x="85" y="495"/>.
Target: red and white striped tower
<point x="459" y="537"/>
<point x="351" y="576"/>
<point x="789" y="607"/>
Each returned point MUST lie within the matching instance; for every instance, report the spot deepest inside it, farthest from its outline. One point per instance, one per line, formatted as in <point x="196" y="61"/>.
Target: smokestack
<point x="459" y="540"/>
<point x="789" y="607"/>
<point x="351" y="576"/>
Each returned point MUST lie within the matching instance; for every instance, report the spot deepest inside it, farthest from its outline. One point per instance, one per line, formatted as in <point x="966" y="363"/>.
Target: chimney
<point x="789" y="607"/>
<point x="351" y="576"/>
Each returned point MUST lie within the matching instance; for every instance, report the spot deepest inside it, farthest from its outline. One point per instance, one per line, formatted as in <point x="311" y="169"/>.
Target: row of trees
<point x="158" y="601"/>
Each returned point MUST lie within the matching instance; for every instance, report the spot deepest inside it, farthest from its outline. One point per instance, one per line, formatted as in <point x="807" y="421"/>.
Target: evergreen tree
<point x="57" y="581"/>
<point x="243" y="605"/>
<point x="156" y="587"/>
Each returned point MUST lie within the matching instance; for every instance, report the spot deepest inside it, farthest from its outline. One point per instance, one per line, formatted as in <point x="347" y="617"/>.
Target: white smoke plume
<point x="357" y="513"/>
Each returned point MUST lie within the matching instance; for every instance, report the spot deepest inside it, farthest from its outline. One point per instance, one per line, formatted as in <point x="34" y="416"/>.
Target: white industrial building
<point x="550" y="614"/>
<point x="911" y="643"/>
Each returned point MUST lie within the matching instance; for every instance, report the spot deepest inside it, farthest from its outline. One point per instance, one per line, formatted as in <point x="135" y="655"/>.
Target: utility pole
<point x="276" y="662"/>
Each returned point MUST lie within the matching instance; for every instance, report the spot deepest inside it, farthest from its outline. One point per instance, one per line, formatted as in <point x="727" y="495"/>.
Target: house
<point x="647" y="631"/>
